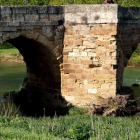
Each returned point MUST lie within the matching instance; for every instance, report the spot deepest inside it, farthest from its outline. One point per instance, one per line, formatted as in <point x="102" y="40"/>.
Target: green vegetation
<point x="10" y="54"/>
<point x="6" y="45"/>
<point x="135" y="58"/>
<point x="76" y="127"/>
<point x="135" y="3"/>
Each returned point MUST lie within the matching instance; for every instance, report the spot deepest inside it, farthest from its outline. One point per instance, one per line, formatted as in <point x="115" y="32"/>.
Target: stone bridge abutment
<point x="73" y="53"/>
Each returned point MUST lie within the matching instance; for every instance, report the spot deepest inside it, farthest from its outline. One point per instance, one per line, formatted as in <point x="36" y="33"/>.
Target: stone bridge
<point x="75" y="53"/>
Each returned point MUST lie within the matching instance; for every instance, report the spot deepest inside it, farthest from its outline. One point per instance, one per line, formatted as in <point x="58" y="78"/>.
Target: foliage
<point x="77" y="111"/>
<point x="128" y="3"/>
<point x="6" y="45"/>
<point x="65" y="2"/>
<point x="80" y="132"/>
<point x="8" y="109"/>
<point x="69" y="127"/>
<point x="10" y="54"/>
<point x="44" y="2"/>
<point x="135" y="58"/>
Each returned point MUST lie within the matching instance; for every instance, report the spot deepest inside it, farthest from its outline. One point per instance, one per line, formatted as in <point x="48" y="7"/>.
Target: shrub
<point x="80" y="132"/>
<point x="77" y="111"/>
<point x="6" y="45"/>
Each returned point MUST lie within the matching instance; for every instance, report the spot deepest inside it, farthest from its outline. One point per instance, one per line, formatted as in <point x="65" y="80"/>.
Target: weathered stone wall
<point x="73" y="53"/>
<point x="89" y="63"/>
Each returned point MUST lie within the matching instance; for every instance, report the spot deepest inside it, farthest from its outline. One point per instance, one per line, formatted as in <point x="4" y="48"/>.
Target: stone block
<point x="105" y="86"/>
<point x="5" y="29"/>
<point x="112" y="86"/>
<point x="82" y="53"/>
<point x="68" y="42"/>
<point x="18" y="9"/>
<point x="13" y="29"/>
<point x="78" y="42"/>
<point x="7" y="17"/>
<point x="100" y="54"/>
<point x="32" y="9"/>
<point x="27" y="28"/>
<point x="44" y="17"/>
<point x="13" y="23"/>
<point x="113" y="72"/>
<point x="43" y="9"/>
<point x="111" y="47"/>
<point x="107" y="67"/>
<point x="18" y="17"/>
<point x="92" y="90"/>
<point x="111" y="62"/>
<point x="53" y="17"/>
<point x="31" y="17"/>
<point x="53" y="9"/>
<point x="69" y="71"/>
<point x="91" y="54"/>
<point x="38" y="23"/>
<point x="102" y="72"/>
<point x="69" y="32"/>
<point x="3" y="24"/>
<point x="99" y="42"/>
<point x="51" y="22"/>
<point x="5" y="10"/>
<point x="46" y="29"/>
<point x="27" y="24"/>
<point x="74" y="66"/>
<point x="69" y="98"/>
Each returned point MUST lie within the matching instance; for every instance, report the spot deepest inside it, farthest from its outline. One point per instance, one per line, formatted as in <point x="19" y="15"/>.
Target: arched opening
<point x="131" y="76"/>
<point x="43" y="75"/>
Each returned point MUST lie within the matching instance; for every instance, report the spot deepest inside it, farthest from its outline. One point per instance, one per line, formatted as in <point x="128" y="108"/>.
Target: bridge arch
<point x="42" y="54"/>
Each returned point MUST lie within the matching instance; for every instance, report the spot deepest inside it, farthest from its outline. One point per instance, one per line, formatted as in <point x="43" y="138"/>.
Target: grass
<point x="135" y="58"/>
<point x="10" y="54"/>
<point x="78" y="127"/>
<point x="8" y="51"/>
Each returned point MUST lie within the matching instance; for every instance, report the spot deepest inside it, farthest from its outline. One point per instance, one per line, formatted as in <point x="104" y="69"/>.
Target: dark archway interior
<point x="43" y="77"/>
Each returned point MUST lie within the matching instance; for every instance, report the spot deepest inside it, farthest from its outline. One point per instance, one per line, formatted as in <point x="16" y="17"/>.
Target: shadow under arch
<point x="43" y="78"/>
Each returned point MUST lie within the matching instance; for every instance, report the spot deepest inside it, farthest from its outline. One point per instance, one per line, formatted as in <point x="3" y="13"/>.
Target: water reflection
<point x="11" y="76"/>
<point x="131" y="76"/>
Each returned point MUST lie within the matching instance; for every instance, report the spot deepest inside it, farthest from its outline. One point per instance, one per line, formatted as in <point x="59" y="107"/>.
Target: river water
<point x="13" y="74"/>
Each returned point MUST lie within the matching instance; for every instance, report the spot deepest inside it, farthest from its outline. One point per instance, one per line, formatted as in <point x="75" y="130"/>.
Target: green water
<point x="131" y="76"/>
<point x="11" y="76"/>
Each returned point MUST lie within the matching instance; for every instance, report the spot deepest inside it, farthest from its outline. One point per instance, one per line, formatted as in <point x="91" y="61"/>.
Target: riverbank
<point x="11" y="55"/>
<point x="134" y="60"/>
